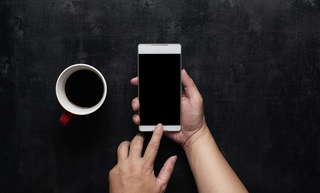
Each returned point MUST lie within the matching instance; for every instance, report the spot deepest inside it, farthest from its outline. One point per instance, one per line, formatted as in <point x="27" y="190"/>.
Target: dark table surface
<point x="256" y="64"/>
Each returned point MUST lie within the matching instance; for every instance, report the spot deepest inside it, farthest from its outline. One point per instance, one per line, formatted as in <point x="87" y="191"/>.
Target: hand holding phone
<point x="192" y="117"/>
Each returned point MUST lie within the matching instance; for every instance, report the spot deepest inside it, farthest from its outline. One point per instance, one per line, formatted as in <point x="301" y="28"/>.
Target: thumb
<point x="166" y="171"/>
<point x="188" y="85"/>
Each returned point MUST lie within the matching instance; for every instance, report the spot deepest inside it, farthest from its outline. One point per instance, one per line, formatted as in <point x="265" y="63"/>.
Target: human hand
<point x="192" y="119"/>
<point x="134" y="173"/>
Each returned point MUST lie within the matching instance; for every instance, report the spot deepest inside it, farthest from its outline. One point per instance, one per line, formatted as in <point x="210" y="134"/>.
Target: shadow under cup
<point x="81" y="89"/>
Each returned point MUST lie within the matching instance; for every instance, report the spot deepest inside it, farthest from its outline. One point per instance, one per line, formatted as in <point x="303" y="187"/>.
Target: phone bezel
<point x="160" y="49"/>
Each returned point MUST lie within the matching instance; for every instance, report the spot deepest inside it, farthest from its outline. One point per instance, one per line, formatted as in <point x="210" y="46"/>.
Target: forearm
<point x="211" y="171"/>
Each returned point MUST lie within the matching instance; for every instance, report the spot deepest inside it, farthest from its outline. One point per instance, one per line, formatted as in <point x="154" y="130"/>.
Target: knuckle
<point x="192" y="82"/>
<point x="169" y="170"/>
<point x="163" y="187"/>
<point x="146" y="168"/>
<point x="153" y="146"/>
<point x="132" y="169"/>
<point x="200" y="100"/>
<point x="138" y="140"/>
<point x="123" y="144"/>
<point x="113" y="172"/>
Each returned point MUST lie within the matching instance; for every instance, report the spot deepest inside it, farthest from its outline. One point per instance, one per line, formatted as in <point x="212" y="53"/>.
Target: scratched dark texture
<point x="256" y="64"/>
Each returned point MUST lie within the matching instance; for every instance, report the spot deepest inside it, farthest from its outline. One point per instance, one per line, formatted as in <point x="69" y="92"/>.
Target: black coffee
<point x="84" y="88"/>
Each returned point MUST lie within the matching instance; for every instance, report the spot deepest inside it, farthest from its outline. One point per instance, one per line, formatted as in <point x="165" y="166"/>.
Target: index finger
<point x="153" y="146"/>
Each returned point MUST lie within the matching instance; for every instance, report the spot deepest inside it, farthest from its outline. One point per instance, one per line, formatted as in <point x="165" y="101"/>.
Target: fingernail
<point x="159" y="126"/>
<point x="174" y="159"/>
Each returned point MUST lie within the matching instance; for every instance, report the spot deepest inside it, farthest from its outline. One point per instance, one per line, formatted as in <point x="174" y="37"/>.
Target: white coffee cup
<point x="71" y="109"/>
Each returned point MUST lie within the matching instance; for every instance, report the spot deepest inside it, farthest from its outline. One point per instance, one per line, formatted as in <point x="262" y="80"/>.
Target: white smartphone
<point x="159" y="72"/>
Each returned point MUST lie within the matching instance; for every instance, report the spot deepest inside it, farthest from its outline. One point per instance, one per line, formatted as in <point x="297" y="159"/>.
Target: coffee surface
<point x="84" y="88"/>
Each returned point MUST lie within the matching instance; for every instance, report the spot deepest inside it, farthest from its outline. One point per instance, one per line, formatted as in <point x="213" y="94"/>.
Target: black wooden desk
<point x="256" y="63"/>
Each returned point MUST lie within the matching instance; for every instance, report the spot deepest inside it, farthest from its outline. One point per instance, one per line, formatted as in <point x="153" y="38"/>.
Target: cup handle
<point x="65" y="118"/>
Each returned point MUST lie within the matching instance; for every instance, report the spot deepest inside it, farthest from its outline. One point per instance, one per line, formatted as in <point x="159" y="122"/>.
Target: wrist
<point x="198" y="137"/>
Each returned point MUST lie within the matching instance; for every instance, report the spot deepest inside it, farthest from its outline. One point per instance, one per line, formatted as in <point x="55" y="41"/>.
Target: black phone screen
<point x="159" y="89"/>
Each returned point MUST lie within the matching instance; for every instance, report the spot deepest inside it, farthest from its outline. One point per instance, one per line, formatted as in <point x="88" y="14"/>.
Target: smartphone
<point x="159" y="72"/>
